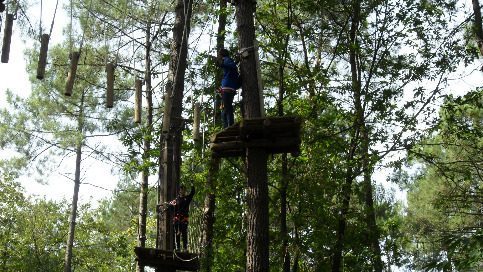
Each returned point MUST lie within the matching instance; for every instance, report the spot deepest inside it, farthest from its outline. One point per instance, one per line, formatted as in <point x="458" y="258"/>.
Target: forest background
<point x="379" y="101"/>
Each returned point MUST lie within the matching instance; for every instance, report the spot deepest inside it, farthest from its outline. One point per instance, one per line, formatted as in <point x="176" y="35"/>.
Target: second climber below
<point x="229" y="84"/>
<point x="180" y="207"/>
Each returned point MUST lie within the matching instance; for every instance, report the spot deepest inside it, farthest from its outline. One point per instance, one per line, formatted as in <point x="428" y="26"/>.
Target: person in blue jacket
<point x="229" y="84"/>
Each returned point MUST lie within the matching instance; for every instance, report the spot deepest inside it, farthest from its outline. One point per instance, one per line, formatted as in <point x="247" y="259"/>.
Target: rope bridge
<point x="170" y="260"/>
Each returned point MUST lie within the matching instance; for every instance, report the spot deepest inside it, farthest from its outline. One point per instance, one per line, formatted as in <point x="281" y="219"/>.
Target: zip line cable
<point x="53" y="19"/>
<point x="185" y="9"/>
<point x="70" y="28"/>
<point x="40" y="21"/>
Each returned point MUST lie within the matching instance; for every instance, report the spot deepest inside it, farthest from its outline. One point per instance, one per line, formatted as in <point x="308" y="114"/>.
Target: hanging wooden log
<point x="138" y="100"/>
<point x="110" y="85"/>
<point x="7" y="38"/>
<point x="167" y="110"/>
<point x="259" y="79"/>
<point x="196" y="122"/>
<point x="44" y="47"/>
<point x="74" y="61"/>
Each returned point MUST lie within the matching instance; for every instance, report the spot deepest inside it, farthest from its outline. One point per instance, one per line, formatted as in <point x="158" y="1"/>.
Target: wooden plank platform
<point x="275" y="134"/>
<point x="167" y="260"/>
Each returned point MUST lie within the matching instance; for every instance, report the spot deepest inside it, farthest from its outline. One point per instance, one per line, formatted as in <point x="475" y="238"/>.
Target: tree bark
<point x="373" y="231"/>
<point x="209" y="206"/>
<point x="283" y="214"/>
<point x="220" y="43"/>
<point x="256" y="158"/>
<point x="478" y="25"/>
<point x="284" y="182"/>
<point x="172" y="140"/>
<point x="209" y="216"/>
<point x="257" y="216"/>
<point x="143" y="195"/>
<point x="75" y="197"/>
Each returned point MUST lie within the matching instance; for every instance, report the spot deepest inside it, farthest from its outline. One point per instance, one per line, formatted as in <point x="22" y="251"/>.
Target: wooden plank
<point x="229" y="154"/>
<point x="169" y="260"/>
<point x="74" y="61"/>
<point x="196" y="122"/>
<point x="219" y="147"/>
<point x="7" y="38"/>
<point x="44" y="47"/>
<point x="110" y="85"/>
<point x="275" y="134"/>
<point x="138" y="100"/>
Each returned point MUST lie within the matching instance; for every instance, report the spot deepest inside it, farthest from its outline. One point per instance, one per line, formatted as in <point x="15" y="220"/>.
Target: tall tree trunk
<point x="6" y="250"/>
<point x="347" y="187"/>
<point x="256" y="158"/>
<point x="478" y="25"/>
<point x="209" y="216"/>
<point x="284" y="182"/>
<point x="143" y="195"/>
<point x="220" y="43"/>
<point x="295" y="265"/>
<point x="372" y="229"/>
<point x="172" y="139"/>
<point x="283" y="214"/>
<point x="75" y="197"/>
<point x="209" y="206"/>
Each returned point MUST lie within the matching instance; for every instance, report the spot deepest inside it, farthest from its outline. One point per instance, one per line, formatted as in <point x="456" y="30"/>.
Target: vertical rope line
<point x="40" y="21"/>
<point x="83" y="32"/>
<point x="70" y="28"/>
<point x="53" y="19"/>
<point x="17" y="6"/>
<point x="185" y="11"/>
<point x="106" y="45"/>
<point x="123" y="23"/>
<point x="202" y="99"/>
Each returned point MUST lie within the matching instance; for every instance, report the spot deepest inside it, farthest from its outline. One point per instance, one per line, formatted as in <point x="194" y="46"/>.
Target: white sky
<point x="13" y="76"/>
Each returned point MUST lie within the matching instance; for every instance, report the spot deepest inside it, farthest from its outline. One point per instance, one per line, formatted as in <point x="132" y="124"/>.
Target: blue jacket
<point x="231" y="78"/>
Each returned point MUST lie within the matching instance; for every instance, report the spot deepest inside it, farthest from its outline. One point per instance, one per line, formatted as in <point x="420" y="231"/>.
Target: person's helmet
<point x="224" y="52"/>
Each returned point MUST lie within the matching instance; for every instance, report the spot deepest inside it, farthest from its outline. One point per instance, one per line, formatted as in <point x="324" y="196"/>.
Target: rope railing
<point x="195" y="229"/>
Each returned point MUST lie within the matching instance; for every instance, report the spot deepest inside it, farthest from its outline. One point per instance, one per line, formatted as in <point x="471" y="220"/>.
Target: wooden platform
<point x="275" y="134"/>
<point x="167" y="260"/>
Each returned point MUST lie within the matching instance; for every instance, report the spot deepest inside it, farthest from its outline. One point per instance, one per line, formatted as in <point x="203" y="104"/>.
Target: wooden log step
<point x="167" y="260"/>
<point x="250" y="129"/>
<point x="267" y="124"/>
<point x="276" y="144"/>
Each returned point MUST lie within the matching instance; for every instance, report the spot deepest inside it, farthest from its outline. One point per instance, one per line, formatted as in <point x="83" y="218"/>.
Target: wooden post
<point x="167" y="110"/>
<point x="7" y="38"/>
<point x="259" y="79"/>
<point x="44" y="47"/>
<point x="110" y="85"/>
<point x="74" y="61"/>
<point x="138" y="101"/>
<point x="196" y="122"/>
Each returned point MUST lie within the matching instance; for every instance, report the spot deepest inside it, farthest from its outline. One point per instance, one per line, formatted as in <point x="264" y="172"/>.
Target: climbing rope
<point x="181" y="46"/>
<point x="53" y="18"/>
<point x="40" y="20"/>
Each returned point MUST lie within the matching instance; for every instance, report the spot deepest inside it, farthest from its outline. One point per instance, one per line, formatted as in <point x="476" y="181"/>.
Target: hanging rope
<point x="44" y="46"/>
<point x="185" y="9"/>
<point x="40" y="21"/>
<point x="83" y="32"/>
<point x="53" y="18"/>
<point x="70" y="28"/>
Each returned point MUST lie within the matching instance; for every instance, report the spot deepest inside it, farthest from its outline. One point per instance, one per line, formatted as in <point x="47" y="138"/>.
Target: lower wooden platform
<point x="274" y="134"/>
<point x="167" y="260"/>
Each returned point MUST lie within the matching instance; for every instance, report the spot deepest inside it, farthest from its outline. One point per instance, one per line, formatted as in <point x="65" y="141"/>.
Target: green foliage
<point x="443" y="203"/>
<point x="31" y="231"/>
<point x="404" y="53"/>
